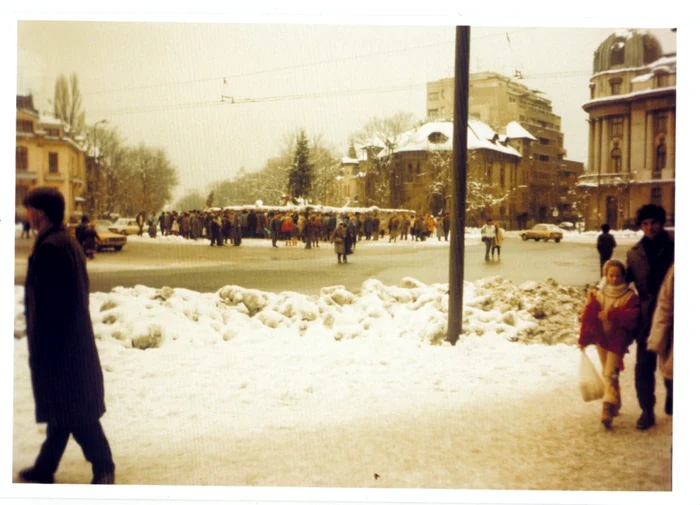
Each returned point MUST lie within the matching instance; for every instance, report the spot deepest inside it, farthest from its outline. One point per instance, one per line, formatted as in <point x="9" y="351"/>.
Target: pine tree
<point x="300" y="174"/>
<point x="210" y="200"/>
<point x="352" y="153"/>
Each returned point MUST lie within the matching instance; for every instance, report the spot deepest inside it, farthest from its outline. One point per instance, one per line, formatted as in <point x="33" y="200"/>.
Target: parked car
<point x="125" y="226"/>
<point x="105" y="238"/>
<point x="566" y="225"/>
<point x="545" y="232"/>
<point x="109" y="240"/>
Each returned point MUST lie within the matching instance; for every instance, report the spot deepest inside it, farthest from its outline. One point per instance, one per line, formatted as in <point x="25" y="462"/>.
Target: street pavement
<point x="256" y="264"/>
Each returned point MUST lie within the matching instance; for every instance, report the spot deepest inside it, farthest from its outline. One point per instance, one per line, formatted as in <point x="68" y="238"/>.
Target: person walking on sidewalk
<point x="65" y="368"/>
<point x="608" y="321"/>
<point x="488" y="233"/>
<point x="647" y="264"/>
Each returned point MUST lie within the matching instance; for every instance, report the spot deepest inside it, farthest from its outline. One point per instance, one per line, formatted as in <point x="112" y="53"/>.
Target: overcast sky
<point x="162" y="83"/>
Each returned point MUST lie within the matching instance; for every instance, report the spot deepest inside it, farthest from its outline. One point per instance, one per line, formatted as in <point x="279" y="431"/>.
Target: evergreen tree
<point x="352" y="153"/>
<point x="300" y="174"/>
<point x="210" y="200"/>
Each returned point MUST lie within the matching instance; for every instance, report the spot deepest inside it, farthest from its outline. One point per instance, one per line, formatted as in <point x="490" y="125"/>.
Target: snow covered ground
<point x="340" y="390"/>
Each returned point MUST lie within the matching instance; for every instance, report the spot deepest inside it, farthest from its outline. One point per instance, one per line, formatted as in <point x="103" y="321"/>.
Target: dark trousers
<point x="89" y="436"/>
<point x="645" y="374"/>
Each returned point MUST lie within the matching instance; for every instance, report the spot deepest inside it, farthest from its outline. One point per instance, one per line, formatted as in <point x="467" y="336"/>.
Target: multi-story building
<point x="417" y="173"/>
<point x="47" y="155"/>
<point x="498" y="101"/>
<point x="632" y="137"/>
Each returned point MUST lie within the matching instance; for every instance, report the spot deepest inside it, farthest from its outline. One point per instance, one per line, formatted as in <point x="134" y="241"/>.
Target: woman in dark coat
<point x="66" y="375"/>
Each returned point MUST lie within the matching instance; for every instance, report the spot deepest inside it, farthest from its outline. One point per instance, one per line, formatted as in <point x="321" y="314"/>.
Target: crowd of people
<point x="225" y="226"/>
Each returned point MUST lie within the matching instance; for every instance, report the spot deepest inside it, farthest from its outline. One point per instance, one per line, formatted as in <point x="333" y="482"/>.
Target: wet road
<point x="206" y="269"/>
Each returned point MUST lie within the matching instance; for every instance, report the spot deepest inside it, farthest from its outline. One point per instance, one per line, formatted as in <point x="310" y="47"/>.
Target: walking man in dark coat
<point x="605" y="245"/>
<point x="647" y="264"/>
<point x="65" y="367"/>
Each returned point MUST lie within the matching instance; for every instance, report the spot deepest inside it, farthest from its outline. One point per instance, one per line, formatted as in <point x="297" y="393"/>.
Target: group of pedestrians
<point x="492" y="236"/>
<point x="633" y="303"/>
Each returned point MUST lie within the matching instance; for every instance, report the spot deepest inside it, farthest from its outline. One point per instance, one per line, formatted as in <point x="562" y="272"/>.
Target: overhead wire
<point x="293" y="67"/>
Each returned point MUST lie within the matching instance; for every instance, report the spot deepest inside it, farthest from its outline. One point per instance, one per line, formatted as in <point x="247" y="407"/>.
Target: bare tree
<point x="380" y="137"/>
<point x="68" y="103"/>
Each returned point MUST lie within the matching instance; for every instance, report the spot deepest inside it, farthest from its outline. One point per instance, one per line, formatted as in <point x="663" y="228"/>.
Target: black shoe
<point x="103" y="478"/>
<point x="31" y="474"/>
<point x="646" y="420"/>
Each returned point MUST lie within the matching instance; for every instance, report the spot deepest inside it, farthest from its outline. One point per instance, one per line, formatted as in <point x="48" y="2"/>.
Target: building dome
<point x="626" y="49"/>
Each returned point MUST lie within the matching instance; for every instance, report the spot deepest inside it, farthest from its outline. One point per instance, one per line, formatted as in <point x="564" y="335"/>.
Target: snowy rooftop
<point x="437" y="136"/>
<point x="347" y="160"/>
<point x="515" y="130"/>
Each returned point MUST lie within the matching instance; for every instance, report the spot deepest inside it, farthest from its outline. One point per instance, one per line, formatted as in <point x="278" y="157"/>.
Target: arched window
<point x="616" y="156"/>
<point x="21" y="159"/>
<point x="661" y="157"/>
<point x="617" y="53"/>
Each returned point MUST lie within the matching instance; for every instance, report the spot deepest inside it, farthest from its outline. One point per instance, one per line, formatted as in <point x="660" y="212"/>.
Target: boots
<point x="646" y="420"/>
<point x="32" y="474"/>
<point x="607" y="415"/>
<point x="615" y="383"/>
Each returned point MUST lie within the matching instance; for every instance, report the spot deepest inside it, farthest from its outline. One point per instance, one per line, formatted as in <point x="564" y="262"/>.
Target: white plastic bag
<point x="590" y="382"/>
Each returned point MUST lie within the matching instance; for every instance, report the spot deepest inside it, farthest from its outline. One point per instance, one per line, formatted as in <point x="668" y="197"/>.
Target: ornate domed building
<point x="631" y="142"/>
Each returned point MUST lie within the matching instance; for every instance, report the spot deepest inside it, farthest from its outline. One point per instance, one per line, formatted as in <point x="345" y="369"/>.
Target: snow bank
<point x="143" y="318"/>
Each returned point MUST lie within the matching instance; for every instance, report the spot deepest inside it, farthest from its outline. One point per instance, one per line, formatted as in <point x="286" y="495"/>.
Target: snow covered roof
<point x="50" y="120"/>
<point x="347" y="160"/>
<point x="630" y="96"/>
<point x="515" y="130"/>
<point x="437" y="136"/>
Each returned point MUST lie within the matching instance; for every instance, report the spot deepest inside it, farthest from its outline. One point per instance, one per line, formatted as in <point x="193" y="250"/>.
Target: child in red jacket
<point x="609" y="320"/>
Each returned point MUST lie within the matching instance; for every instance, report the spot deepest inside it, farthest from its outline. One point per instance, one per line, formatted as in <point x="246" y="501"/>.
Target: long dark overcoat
<point x="648" y="274"/>
<point x="65" y="367"/>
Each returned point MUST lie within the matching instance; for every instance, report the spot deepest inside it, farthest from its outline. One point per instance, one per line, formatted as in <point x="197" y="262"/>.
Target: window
<point x="661" y="157"/>
<point x="544" y="141"/>
<point x="592" y="87"/>
<point x="437" y="138"/>
<point x="615" y="86"/>
<point x="503" y="175"/>
<point x="660" y="121"/>
<point x="656" y="196"/>
<point x="53" y="163"/>
<point x="487" y="172"/>
<point x="616" y="126"/>
<point x="52" y="132"/>
<point x="21" y="159"/>
<point x="511" y="99"/>
<point x="433" y="96"/>
<point x="662" y="80"/>
<point x="616" y="156"/>
<point x="409" y="173"/>
<point x="543" y="157"/>
<point x="24" y="126"/>
<point x="617" y="54"/>
<point x="432" y="112"/>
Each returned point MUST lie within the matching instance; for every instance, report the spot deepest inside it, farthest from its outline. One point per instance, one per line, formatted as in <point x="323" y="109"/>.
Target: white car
<point x="125" y="226"/>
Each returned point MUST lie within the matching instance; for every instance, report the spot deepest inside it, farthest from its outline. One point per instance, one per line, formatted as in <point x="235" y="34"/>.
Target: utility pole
<point x="459" y="183"/>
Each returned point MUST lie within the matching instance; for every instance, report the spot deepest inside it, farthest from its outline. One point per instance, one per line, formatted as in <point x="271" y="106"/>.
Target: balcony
<point x="26" y="175"/>
<point x="54" y="177"/>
